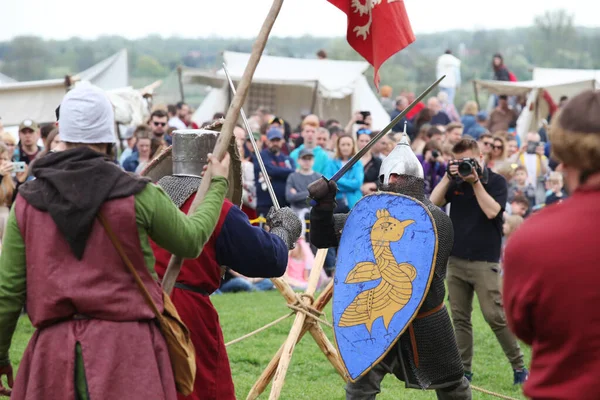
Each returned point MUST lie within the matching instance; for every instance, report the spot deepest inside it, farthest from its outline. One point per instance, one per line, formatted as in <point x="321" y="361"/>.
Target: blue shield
<point x="385" y="264"/>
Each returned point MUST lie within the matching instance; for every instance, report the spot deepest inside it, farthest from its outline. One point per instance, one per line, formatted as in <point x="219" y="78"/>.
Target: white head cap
<point x="401" y="161"/>
<point x="86" y="116"/>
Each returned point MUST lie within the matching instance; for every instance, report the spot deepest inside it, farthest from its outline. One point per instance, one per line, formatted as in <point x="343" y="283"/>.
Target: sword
<point x="256" y="150"/>
<point x="381" y="134"/>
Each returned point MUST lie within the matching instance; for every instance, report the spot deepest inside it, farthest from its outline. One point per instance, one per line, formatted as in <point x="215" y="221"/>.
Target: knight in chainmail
<point x="436" y="363"/>
<point x="236" y="244"/>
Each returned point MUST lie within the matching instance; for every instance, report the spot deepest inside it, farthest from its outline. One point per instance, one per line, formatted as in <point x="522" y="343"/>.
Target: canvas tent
<point x="537" y="107"/>
<point x="567" y="74"/>
<point x="38" y="100"/>
<point x="290" y="87"/>
<point x="5" y="79"/>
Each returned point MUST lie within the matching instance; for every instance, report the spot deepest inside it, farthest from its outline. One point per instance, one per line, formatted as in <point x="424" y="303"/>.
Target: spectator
<point x="447" y="107"/>
<point x="278" y="166"/>
<point x="130" y="139"/>
<point x="138" y="160"/>
<point x="410" y="96"/>
<point x="385" y="145"/>
<point x="454" y="132"/>
<point x="556" y="193"/>
<point x="401" y="104"/>
<point x="469" y="115"/>
<point x="519" y="205"/>
<point x="512" y="149"/>
<point x="323" y="140"/>
<point x="511" y="224"/>
<point x="178" y="120"/>
<point x="562" y="102"/>
<point x="438" y="116"/>
<point x="551" y="270"/>
<point x="9" y="141"/>
<point x="498" y="153"/>
<point x="421" y="140"/>
<point x="371" y="164"/>
<point x="296" y="189"/>
<point x="158" y="124"/>
<point x="501" y="73"/>
<point x="172" y="111"/>
<point x="334" y="132"/>
<point x="300" y="263"/>
<point x="449" y="65"/>
<point x="434" y="166"/>
<point x="29" y="134"/>
<point x="480" y="126"/>
<point x="234" y="282"/>
<point x="386" y="99"/>
<point x="422" y="118"/>
<point x="502" y="116"/>
<point x="248" y="186"/>
<point x="434" y="134"/>
<point x="477" y="203"/>
<point x="45" y="130"/>
<point x="519" y="186"/>
<point x="309" y="134"/>
<point x="266" y="116"/>
<point x="350" y="184"/>
<point x="531" y="156"/>
<point x="7" y="185"/>
<point x="359" y="120"/>
<point x="485" y="142"/>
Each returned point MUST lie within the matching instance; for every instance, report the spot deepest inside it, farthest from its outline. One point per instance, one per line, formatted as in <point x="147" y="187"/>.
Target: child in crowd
<point x="556" y="192"/>
<point x="300" y="263"/>
<point x="296" y="188"/>
<point x="519" y="205"/>
<point x="519" y="186"/>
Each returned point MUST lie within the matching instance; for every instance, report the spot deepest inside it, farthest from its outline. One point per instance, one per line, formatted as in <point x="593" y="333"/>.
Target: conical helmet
<point x="401" y="161"/>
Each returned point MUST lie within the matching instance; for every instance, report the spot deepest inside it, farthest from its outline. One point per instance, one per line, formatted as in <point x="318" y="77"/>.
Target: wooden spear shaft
<point x="227" y="131"/>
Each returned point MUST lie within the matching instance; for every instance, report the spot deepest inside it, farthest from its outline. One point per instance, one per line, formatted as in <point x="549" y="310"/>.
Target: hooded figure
<point x="95" y="335"/>
<point x="436" y="363"/>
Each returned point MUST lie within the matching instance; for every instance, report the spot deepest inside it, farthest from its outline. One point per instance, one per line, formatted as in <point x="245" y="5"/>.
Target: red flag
<point x="377" y="29"/>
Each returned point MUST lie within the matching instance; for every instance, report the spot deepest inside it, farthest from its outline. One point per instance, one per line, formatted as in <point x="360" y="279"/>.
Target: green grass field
<point x="310" y="375"/>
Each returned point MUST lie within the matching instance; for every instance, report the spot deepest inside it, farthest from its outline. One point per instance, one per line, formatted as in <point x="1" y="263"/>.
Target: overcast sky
<point x="61" y="19"/>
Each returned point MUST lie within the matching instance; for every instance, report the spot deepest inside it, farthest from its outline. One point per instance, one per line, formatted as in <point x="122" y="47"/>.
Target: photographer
<point x="477" y="196"/>
<point x="359" y="120"/>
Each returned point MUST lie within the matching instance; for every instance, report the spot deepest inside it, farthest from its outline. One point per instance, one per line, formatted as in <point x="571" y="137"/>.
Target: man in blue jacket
<point x="278" y="167"/>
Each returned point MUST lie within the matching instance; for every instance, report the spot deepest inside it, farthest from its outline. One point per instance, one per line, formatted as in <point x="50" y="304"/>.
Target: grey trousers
<point x="369" y="386"/>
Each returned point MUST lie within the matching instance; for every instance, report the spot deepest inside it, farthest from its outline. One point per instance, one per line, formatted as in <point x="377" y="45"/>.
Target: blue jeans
<point x="239" y="284"/>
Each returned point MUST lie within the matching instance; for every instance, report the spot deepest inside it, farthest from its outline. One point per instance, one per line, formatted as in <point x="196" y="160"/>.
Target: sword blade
<point x="263" y="169"/>
<point x="381" y="134"/>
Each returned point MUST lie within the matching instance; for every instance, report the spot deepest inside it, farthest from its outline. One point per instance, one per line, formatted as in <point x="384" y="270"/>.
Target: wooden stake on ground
<point x="267" y="375"/>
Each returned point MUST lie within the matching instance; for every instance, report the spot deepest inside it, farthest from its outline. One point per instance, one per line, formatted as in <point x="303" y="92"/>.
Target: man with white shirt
<point x="448" y="65"/>
<point x="178" y="120"/>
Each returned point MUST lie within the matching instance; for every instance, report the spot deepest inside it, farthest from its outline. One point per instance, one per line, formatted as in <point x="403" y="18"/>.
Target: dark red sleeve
<point x="519" y="287"/>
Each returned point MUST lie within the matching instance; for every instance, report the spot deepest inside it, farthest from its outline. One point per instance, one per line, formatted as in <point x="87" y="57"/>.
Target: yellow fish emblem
<point x="395" y="289"/>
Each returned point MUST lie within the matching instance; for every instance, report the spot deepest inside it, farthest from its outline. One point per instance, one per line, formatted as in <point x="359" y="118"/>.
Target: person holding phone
<point x="359" y="120"/>
<point x="532" y="157"/>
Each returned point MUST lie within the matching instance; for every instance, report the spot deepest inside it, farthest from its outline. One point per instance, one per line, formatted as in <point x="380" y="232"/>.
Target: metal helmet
<point x="401" y="161"/>
<point x="190" y="150"/>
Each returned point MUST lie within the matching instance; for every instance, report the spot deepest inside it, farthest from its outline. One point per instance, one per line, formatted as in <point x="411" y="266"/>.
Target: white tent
<point x="537" y="108"/>
<point x="566" y="74"/>
<point x="291" y="86"/>
<point x="37" y="100"/>
<point x="5" y="79"/>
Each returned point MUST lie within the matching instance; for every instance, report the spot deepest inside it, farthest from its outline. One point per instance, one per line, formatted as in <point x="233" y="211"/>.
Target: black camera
<point x="435" y="153"/>
<point x="465" y="167"/>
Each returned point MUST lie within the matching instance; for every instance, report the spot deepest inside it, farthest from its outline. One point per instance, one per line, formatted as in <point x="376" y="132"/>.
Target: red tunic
<point x="124" y="353"/>
<point x="213" y="377"/>
<point x="551" y="297"/>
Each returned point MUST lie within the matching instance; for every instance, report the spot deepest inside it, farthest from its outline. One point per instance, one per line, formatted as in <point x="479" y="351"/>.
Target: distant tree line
<point x="551" y="41"/>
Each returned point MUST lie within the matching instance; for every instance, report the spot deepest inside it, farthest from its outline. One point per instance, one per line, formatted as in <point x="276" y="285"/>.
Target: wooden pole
<point x="288" y="348"/>
<point x="180" y="79"/>
<point x="227" y="130"/>
<point x="327" y="348"/>
<point x="267" y="375"/>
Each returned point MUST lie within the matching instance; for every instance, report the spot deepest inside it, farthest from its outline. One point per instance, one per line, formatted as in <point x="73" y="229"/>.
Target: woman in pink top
<point x="300" y="263"/>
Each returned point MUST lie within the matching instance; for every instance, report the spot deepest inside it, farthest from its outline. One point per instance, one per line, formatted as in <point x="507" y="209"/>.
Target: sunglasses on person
<point x="495" y="147"/>
<point x="160" y="123"/>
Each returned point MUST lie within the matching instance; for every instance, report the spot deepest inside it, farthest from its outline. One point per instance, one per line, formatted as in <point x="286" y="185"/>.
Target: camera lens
<point x="464" y="168"/>
<point x="435" y="154"/>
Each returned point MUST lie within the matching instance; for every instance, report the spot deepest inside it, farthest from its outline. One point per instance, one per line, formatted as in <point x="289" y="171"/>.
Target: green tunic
<point x="157" y="218"/>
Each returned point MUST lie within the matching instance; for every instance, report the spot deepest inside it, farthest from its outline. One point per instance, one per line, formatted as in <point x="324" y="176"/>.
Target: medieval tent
<point x="566" y="74"/>
<point x="37" y="100"/>
<point x="5" y="79"/>
<point x="537" y="108"/>
<point x="291" y="87"/>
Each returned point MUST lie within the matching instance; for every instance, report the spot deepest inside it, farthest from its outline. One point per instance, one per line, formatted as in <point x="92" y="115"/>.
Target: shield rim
<point x="415" y="313"/>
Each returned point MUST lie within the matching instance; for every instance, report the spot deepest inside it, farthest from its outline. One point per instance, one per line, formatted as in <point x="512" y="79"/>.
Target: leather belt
<point x="411" y="331"/>
<point x="194" y="289"/>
